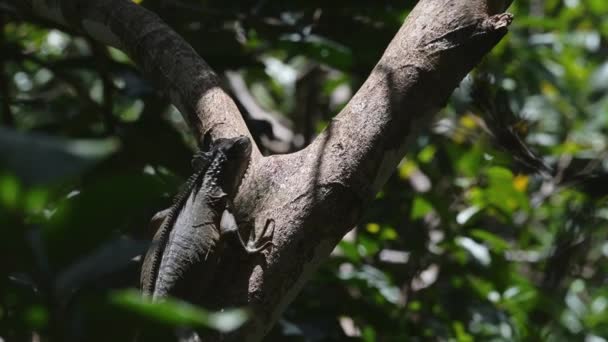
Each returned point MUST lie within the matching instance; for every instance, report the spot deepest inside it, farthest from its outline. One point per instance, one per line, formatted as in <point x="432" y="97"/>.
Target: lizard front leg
<point x="254" y="244"/>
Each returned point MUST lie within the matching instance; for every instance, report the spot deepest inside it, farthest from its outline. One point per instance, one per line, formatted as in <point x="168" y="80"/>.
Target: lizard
<point x="180" y="262"/>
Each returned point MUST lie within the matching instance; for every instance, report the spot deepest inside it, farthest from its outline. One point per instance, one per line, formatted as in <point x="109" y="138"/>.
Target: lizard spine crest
<point x="178" y="203"/>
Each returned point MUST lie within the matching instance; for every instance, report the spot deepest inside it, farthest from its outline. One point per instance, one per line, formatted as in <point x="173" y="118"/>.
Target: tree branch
<point x="316" y="195"/>
<point x="279" y="125"/>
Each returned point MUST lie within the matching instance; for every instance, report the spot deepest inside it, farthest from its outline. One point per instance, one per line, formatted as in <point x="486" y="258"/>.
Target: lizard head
<point x="235" y="153"/>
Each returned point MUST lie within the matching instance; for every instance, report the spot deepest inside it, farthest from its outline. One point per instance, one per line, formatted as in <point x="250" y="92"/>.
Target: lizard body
<point x="185" y="249"/>
<point x="154" y="255"/>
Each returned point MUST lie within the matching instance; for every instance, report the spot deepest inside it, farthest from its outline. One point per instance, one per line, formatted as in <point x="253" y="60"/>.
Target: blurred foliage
<point x="471" y="239"/>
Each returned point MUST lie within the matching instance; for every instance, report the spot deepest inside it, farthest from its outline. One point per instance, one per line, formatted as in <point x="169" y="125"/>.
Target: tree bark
<point x="317" y="194"/>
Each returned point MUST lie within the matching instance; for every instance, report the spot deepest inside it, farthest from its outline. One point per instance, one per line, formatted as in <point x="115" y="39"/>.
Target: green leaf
<point x="319" y="48"/>
<point x="24" y="155"/>
<point x="178" y="313"/>
<point x="37" y="316"/>
<point x="469" y="163"/>
<point x="461" y="333"/>
<point x="420" y="208"/>
<point x="497" y="244"/>
<point x="9" y="191"/>
<point x="499" y="175"/>
<point x="350" y="250"/>
<point x="427" y="154"/>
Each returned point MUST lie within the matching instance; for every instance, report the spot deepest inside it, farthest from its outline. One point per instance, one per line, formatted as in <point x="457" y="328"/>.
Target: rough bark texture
<point x="315" y="195"/>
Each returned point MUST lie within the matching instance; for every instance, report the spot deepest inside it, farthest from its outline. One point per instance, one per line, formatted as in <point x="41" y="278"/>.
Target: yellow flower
<point x="520" y="182"/>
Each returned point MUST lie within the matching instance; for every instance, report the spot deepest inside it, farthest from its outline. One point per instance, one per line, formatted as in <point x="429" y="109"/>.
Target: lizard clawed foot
<point x="254" y="244"/>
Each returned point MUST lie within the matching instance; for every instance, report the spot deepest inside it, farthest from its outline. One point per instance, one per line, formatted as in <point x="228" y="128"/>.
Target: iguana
<point x="186" y="248"/>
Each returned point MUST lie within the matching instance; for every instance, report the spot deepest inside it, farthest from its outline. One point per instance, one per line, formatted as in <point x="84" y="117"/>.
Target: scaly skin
<point x="183" y="256"/>
<point x="153" y="257"/>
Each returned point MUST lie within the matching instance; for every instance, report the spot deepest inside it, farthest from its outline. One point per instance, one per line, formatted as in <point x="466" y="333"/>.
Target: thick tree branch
<point x="317" y="194"/>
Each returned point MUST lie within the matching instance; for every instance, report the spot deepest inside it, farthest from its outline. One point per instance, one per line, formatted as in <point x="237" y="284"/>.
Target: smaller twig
<point x="282" y="134"/>
<point x="308" y="100"/>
